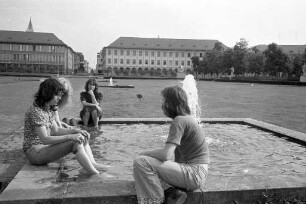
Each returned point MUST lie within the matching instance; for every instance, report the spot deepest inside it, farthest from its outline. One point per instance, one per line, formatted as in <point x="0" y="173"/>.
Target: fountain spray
<point x="190" y="87"/>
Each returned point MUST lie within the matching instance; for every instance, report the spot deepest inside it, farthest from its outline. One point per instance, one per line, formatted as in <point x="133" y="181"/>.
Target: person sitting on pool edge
<point x="44" y="141"/>
<point x="65" y="100"/>
<point x="186" y="144"/>
<point x="91" y="99"/>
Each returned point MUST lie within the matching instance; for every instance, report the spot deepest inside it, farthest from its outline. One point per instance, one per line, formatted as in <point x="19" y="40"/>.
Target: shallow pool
<point x="235" y="150"/>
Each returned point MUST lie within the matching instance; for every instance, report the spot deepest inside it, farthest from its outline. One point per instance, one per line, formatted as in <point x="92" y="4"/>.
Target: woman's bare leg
<point x="86" y="118"/>
<point x="94" y="115"/>
<point x="84" y="160"/>
<point x="92" y="159"/>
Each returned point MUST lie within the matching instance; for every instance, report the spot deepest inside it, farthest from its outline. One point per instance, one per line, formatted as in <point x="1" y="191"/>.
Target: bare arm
<point x="163" y="154"/>
<point x="46" y="139"/>
<point x="58" y="131"/>
<point x="84" y="103"/>
<point x="93" y="98"/>
<point x="57" y="119"/>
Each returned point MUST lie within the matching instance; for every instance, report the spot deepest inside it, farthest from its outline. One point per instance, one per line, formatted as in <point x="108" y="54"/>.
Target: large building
<point x="151" y="56"/>
<point x="34" y="52"/>
<point x="291" y="50"/>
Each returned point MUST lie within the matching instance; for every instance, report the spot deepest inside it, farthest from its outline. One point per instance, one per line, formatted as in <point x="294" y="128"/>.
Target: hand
<point x="90" y="91"/>
<point x="84" y="133"/>
<point x="78" y="138"/>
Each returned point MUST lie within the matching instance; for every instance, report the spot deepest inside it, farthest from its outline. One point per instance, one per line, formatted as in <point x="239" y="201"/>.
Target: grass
<point x="277" y="104"/>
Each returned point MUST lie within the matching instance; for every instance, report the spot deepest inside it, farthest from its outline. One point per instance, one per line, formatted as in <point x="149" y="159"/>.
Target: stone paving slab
<point x="38" y="184"/>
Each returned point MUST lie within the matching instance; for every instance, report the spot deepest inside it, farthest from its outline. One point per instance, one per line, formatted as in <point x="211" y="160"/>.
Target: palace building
<point x="151" y="56"/>
<point x="35" y="52"/>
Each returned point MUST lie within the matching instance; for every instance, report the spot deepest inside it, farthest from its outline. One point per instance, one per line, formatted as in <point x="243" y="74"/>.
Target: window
<point x="121" y="52"/>
<point x="201" y="54"/>
<point x="152" y="62"/>
<point x="115" y="52"/>
<point x="134" y="61"/>
<point x="165" y="54"/>
<point x="16" y="47"/>
<point x="170" y="62"/>
<point x="115" y="61"/>
<point x="140" y="53"/>
<point x="176" y="54"/>
<point x="152" y="53"/>
<point x="128" y="53"/>
<point x="134" y="53"/>
<point x="170" y="54"/>
<point x="164" y="62"/>
<point x="158" y="54"/>
<point x="140" y="61"/>
<point x="189" y="54"/>
<point x="146" y="62"/>
<point x="127" y="61"/>
<point x="121" y="61"/>
<point x="16" y="56"/>
<point x="26" y="57"/>
<point x="176" y="62"/>
<point x="24" y="47"/>
<point x="188" y="63"/>
<point x="158" y="62"/>
<point x="182" y="63"/>
<point x="146" y="53"/>
<point x="182" y="54"/>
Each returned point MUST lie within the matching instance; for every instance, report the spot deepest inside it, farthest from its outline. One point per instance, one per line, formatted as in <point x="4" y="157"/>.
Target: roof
<point x="288" y="49"/>
<point x="30" y="38"/>
<point x="163" y="44"/>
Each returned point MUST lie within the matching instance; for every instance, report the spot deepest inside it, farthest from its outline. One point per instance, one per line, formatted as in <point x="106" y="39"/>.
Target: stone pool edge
<point x="37" y="184"/>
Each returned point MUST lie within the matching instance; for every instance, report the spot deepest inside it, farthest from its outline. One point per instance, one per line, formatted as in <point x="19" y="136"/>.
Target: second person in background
<point x="91" y="99"/>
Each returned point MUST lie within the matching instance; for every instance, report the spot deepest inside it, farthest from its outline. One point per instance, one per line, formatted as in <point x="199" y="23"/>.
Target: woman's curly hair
<point x="93" y="81"/>
<point x="47" y="90"/>
<point x="175" y="102"/>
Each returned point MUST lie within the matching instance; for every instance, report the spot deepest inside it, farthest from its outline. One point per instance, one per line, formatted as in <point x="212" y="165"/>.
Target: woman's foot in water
<point x="83" y="171"/>
<point x="101" y="167"/>
<point x="97" y="129"/>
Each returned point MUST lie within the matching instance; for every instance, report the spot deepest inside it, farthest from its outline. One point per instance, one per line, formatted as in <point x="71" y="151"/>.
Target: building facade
<point x="151" y="56"/>
<point x="290" y="50"/>
<point x="34" y="52"/>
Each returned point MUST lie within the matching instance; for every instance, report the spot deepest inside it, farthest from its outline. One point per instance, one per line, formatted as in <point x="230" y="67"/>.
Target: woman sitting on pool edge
<point x="186" y="143"/>
<point x="44" y="141"/>
<point x="91" y="99"/>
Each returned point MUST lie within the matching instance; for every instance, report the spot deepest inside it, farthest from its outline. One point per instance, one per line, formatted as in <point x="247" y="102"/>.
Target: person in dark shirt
<point x="91" y="99"/>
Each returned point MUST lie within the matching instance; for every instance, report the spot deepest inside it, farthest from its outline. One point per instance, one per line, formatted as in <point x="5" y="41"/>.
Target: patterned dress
<point x="36" y="116"/>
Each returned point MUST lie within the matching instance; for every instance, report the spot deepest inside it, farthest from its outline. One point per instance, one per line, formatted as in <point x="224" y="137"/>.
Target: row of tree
<point x="270" y="62"/>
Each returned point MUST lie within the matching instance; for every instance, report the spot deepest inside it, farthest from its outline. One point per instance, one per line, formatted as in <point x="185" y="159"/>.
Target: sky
<point x="89" y="25"/>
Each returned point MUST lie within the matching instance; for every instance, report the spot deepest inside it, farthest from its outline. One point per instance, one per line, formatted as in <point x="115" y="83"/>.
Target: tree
<point x="218" y="46"/>
<point x="214" y="62"/>
<point x="227" y="59"/>
<point x="255" y="62"/>
<point x="297" y="64"/>
<point x="276" y="60"/>
<point x="304" y="57"/>
<point x="195" y="64"/>
<point x="239" y="56"/>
